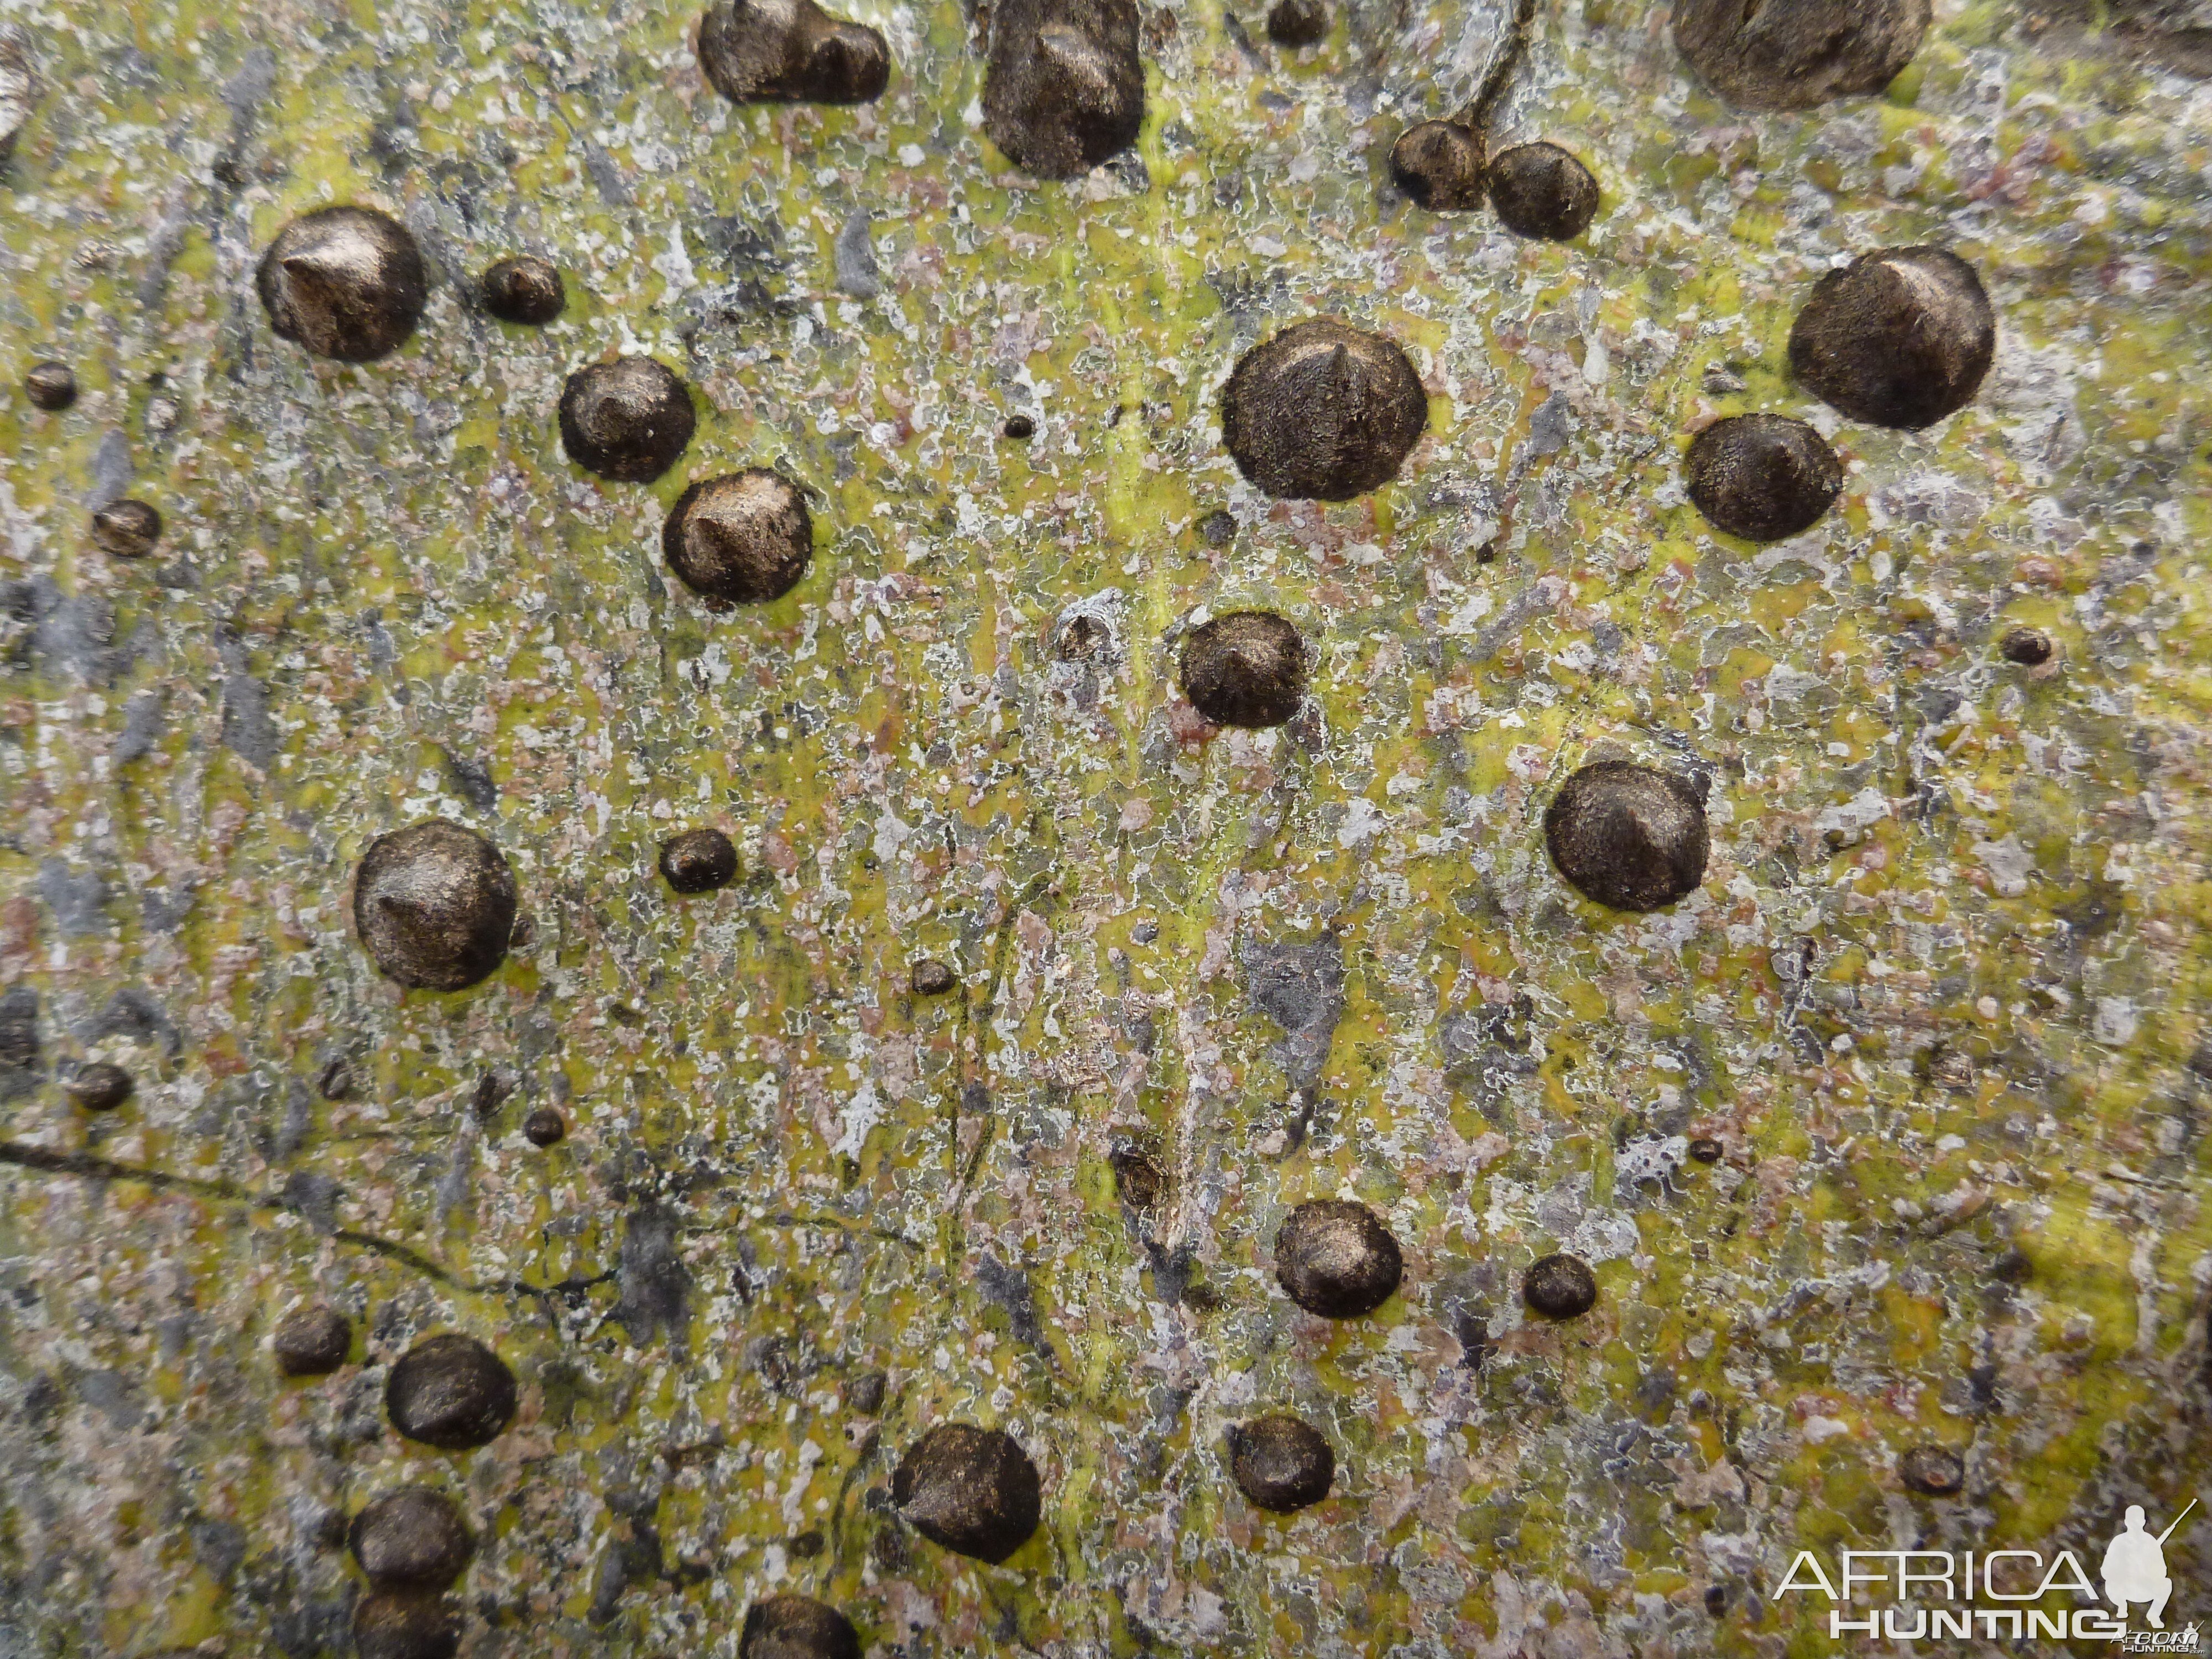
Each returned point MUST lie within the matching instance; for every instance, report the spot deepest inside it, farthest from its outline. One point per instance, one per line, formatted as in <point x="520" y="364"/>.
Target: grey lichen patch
<point x="248" y="728"/>
<point x="1301" y="988"/>
<point x="76" y="899"/>
<point x="858" y="274"/>
<point x="1009" y="1287"/>
<point x="21" y="1054"/>
<point x="655" y="1285"/>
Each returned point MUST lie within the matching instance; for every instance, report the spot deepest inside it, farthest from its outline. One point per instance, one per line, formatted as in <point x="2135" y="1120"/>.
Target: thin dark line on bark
<point x="1481" y="110"/>
<point x="90" y="1166"/>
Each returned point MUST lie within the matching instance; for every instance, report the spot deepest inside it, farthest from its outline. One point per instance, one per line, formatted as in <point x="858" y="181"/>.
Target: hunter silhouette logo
<point x="2004" y="1596"/>
<point x="2135" y="1566"/>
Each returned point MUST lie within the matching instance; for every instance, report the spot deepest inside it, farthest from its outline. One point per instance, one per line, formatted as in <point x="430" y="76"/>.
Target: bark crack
<point x="90" y="1166"/>
<point x="1482" y="109"/>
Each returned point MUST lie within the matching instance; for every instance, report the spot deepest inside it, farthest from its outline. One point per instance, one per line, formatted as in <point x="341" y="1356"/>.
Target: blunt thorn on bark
<point x="312" y="1341"/>
<point x="99" y="1087"/>
<point x="1281" y="1463"/>
<point x="1764" y="478"/>
<point x="1063" y="86"/>
<point x="127" y="529"/>
<point x="746" y="538"/>
<point x="524" y="289"/>
<point x="933" y="978"/>
<point x="1248" y="669"/>
<point x="1337" y="1258"/>
<point x="1627" y="836"/>
<point x="345" y="283"/>
<point x="1294" y="23"/>
<point x="1323" y="411"/>
<point x="1901" y="337"/>
<point x="2030" y="647"/>
<point x="698" y="860"/>
<point x="435" y="904"/>
<point x="1137" y="1180"/>
<point x="1439" y="166"/>
<point x="451" y="1392"/>
<point x="52" y="385"/>
<point x="628" y="420"/>
<point x="797" y="1628"/>
<point x="1932" y="1471"/>
<point x="974" y="1490"/>
<point x="790" y="52"/>
<point x="1793" y="54"/>
<point x="1559" y="1287"/>
<point x="412" y="1538"/>
<point x="404" y="1624"/>
<point x="1540" y="191"/>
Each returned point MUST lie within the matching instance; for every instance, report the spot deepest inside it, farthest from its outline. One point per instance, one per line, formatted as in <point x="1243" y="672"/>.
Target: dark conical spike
<point x="1322" y="412"/>
<point x="1064" y="88"/>
<point x="346" y="283"/>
